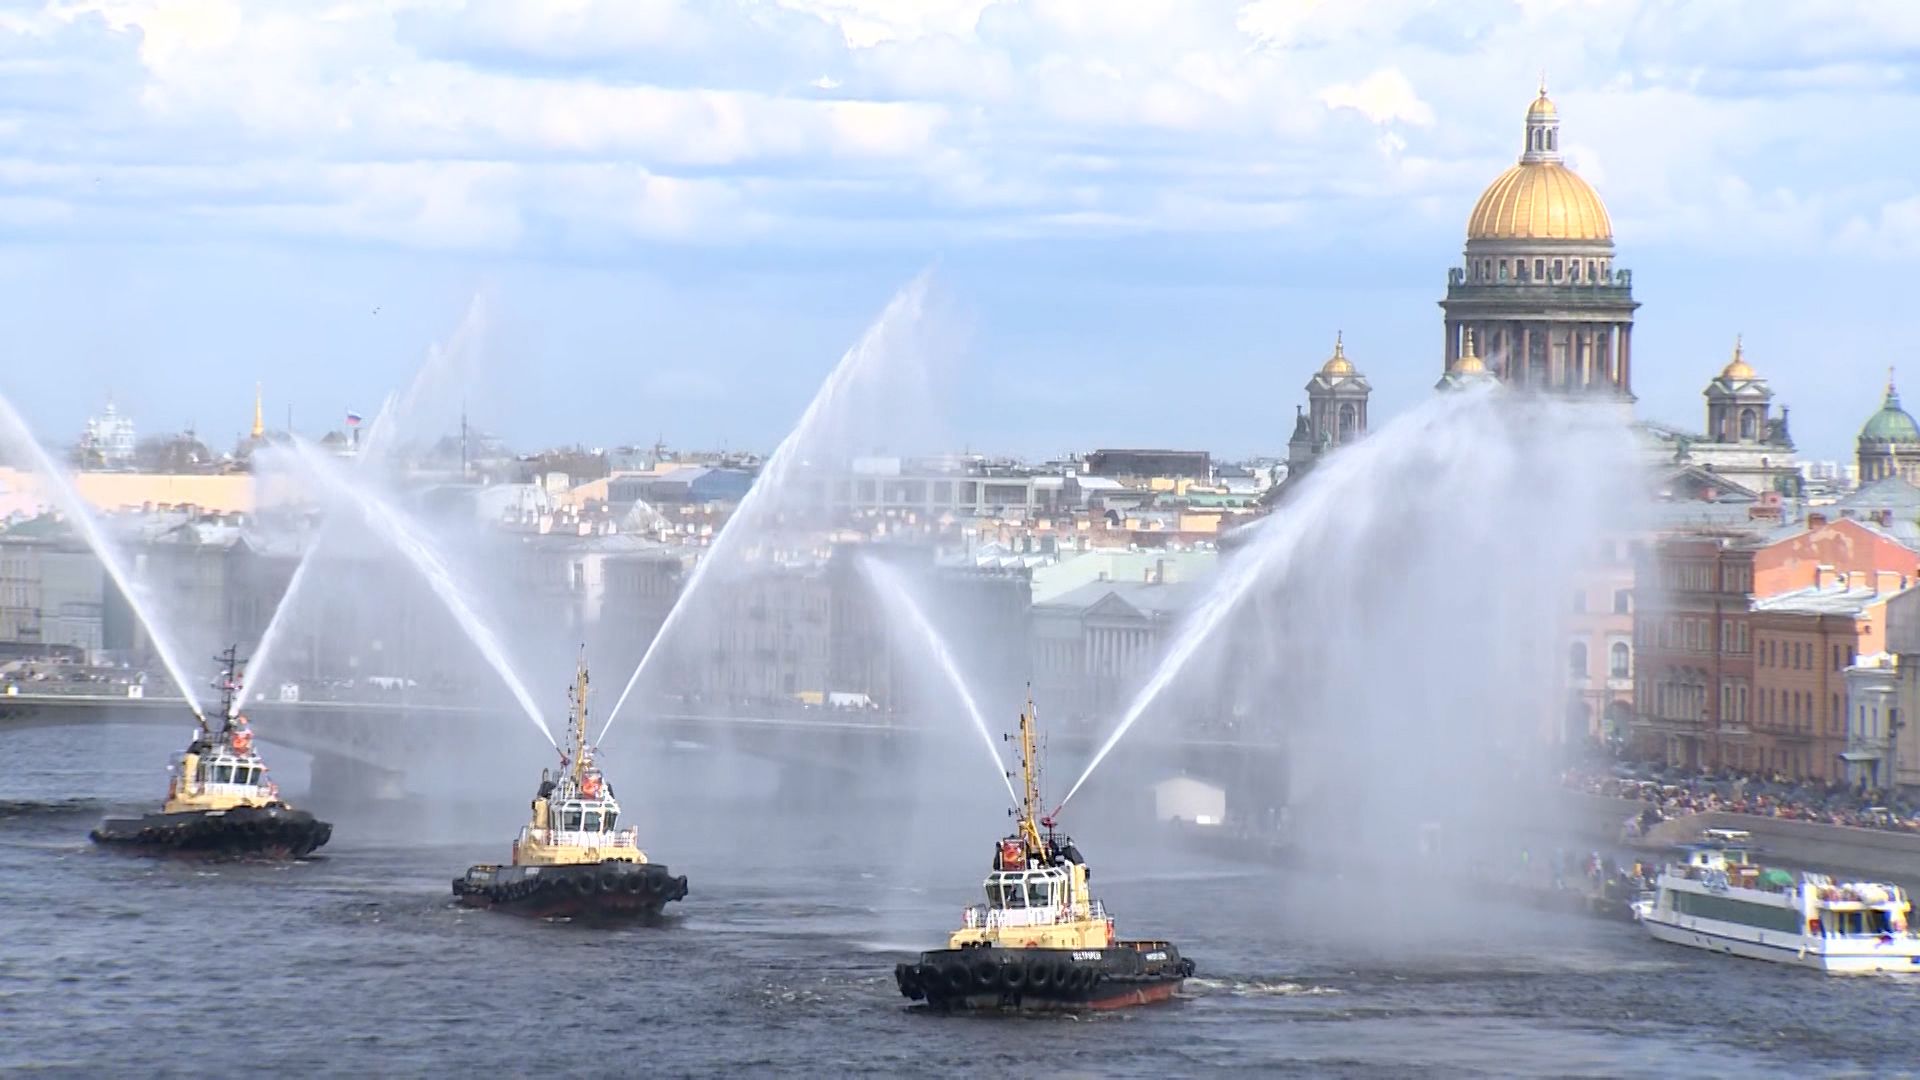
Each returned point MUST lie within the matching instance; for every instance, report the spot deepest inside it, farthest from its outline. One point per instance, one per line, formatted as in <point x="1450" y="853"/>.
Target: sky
<point x="1147" y="219"/>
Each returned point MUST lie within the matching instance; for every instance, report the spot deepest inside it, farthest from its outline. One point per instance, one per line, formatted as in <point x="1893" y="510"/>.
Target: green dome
<point x="1891" y="423"/>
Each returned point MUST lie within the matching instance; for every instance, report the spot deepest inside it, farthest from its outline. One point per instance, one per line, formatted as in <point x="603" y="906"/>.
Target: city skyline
<point x="1149" y="224"/>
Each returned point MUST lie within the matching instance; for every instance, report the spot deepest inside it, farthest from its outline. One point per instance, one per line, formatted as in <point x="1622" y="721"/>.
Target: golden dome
<point x="1468" y="363"/>
<point x="1338" y="364"/>
<point x="1737" y="369"/>
<point x="1539" y="200"/>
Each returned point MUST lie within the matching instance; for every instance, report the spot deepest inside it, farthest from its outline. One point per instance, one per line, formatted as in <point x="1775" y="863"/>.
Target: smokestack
<point x="1815" y="521"/>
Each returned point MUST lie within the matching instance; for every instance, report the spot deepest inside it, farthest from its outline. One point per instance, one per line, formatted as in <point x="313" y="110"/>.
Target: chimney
<point x="1884" y="517"/>
<point x="1160" y="571"/>
<point x="1815" y="521"/>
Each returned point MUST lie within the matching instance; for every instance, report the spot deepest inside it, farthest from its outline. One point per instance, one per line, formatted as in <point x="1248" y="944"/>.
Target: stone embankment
<point x="1838" y="849"/>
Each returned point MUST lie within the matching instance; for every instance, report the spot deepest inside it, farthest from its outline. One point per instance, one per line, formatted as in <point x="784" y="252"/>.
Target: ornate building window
<point x="1577" y="659"/>
<point x="1621" y="666"/>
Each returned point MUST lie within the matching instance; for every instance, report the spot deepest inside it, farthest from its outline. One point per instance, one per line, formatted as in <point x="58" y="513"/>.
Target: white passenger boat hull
<point x="1839" y="956"/>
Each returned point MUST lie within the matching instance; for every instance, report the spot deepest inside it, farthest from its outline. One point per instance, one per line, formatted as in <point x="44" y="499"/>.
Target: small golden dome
<point x="1737" y="369"/>
<point x="1539" y="200"/>
<point x="1468" y="363"/>
<point x="1542" y="107"/>
<point x="1338" y="364"/>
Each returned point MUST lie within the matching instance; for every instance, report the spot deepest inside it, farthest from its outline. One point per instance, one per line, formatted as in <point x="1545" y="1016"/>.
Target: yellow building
<point x="115" y="491"/>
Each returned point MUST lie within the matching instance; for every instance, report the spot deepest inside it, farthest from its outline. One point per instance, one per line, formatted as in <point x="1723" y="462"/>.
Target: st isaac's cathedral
<point x="1539" y="304"/>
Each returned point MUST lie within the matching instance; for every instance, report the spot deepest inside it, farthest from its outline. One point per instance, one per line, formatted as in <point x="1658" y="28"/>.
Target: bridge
<point x="354" y="743"/>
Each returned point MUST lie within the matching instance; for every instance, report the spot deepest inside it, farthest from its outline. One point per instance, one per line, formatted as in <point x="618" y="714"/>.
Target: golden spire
<point x="1468" y="362"/>
<point x="259" y="418"/>
<point x="1338" y="364"/>
<point x="1738" y="368"/>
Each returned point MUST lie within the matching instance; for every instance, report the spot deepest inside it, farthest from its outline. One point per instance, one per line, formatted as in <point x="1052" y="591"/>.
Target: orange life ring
<point x="591" y="787"/>
<point x="243" y="741"/>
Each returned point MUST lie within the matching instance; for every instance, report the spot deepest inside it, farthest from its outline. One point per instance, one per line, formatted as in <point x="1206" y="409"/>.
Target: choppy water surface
<point x="780" y="961"/>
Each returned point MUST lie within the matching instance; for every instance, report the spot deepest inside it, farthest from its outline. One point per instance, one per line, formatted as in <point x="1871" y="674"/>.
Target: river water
<point x="779" y="962"/>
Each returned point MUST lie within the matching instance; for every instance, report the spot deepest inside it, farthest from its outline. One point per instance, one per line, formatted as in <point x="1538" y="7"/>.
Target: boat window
<point x="592" y="821"/>
<point x="1016" y="895"/>
<point x="610" y="815"/>
<point x="570" y="820"/>
<point x="994" y="898"/>
<point x="1037" y="894"/>
<point x="223" y="774"/>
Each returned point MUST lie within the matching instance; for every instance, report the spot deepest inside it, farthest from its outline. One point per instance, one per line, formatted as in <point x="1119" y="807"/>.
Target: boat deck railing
<point x="983" y="917"/>
<point x="237" y="791"/>
<point x="623" y="838"/>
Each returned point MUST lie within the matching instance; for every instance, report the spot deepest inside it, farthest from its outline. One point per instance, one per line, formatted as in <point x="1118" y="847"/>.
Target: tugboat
<point x="220" y="802"/>
<point x="570" y="861"/>
<point x="1041" y="942"/>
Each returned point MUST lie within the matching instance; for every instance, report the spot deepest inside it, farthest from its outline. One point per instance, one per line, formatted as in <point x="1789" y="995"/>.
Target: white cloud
<point x="1382" y="97"/>
<point x="522" y="123"/>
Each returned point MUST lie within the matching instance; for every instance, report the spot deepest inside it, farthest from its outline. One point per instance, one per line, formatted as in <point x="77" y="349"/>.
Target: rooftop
<point x="1817" y="601"/>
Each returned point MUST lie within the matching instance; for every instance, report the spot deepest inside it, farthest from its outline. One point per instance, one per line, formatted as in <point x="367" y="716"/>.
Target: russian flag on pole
<point x="353" y="419"/>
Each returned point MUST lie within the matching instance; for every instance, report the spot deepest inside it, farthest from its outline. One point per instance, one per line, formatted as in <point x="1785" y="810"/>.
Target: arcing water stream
<point x="757" y="510"/>
<point x="380" y="435"/>
<point x="399" y="530"/>
<point x="14" y="431"/>
<point x="1391" y="553"/>
<point x="892" y="588"/>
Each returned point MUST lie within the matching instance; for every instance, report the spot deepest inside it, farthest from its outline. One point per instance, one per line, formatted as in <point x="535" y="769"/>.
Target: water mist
<point x="14" y="430"/>
<point x="408" y="538"/>
<point x="893" y="590"/>
<point x="1396" y="622"/>
<point x="805" y="447"/>
<point x="380" y="436"/>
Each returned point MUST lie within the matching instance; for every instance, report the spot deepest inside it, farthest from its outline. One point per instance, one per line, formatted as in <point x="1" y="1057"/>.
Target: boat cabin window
<point x="596" y="816"/>
<point x="1022" y="891"/>
<point x="229" y="772"/>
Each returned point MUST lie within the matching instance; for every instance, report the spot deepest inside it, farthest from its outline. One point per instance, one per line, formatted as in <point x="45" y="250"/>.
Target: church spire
<point x="259" y="417"/>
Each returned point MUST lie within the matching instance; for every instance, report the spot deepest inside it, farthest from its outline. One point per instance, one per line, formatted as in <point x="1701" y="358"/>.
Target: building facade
<point x="1693" y="694"/>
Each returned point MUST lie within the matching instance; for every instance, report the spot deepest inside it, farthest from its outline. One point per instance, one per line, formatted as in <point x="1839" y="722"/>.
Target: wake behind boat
<point x="1041" y="942"/>
<point x="571" y="860"/>
<point x="220" y="802"/>
<point x="1717" y="899"/>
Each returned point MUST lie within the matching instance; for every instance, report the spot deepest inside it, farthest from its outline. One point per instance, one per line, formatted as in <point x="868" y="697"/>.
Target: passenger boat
<point x="220" y="802"/>
<point x="1041" y="942"/>
<point x="571" y="859"/>
<point x="1716" y="898"/>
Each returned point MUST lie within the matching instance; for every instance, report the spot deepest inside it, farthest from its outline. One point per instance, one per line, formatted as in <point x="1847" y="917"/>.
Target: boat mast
<point x="1030" y="788"/>
<point x="229" y="685"/>
<point x="579" y="696"/>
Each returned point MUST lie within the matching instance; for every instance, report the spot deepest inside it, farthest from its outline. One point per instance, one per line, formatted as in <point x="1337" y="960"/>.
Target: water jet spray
<point x="755" y="509"/>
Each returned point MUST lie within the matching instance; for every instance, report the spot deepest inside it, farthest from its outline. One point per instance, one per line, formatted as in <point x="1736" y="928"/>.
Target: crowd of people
<point x="1672" y="792"/>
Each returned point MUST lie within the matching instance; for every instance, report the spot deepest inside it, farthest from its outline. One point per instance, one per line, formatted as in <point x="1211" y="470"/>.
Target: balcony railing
<point x="1616" y="287"/>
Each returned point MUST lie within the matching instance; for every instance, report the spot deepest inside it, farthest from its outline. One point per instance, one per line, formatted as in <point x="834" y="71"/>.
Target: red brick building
<point x="1693" y="692"/>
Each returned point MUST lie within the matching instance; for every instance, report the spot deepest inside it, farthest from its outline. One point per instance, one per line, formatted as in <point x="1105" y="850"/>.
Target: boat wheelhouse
<point x="1717" y="898"/>
<point x="1041" y="941"/>
<point x="572" y="858"/>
